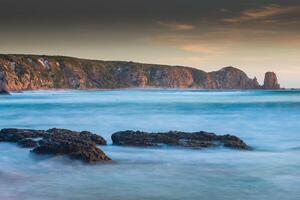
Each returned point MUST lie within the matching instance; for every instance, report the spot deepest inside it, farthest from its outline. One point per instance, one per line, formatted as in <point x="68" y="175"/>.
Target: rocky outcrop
<point x="174" y="138"/>
<point x="31" y="72"/>
<point x="83" y="145"/>
<point x="76" y="145"/>
<point x="3" y="82"/>
<point x="232" y="78"/>
<point x="271" y="81"/>
<point x="16" y="135"/>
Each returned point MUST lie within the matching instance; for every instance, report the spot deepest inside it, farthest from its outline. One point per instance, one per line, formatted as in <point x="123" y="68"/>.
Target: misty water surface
<point x="266" y="120"/>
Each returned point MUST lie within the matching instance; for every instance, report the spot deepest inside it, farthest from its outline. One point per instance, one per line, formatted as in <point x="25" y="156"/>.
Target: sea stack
<point x="271" y="81"/>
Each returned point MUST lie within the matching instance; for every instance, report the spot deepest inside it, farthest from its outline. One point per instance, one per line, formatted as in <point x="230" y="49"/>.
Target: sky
<point x="253" y="35"/>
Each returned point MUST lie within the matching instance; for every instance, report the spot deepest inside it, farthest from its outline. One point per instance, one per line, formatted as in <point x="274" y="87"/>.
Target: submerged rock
<point x="76" y="145"/>
<point x="28" y="143"/>
<point x="75" y="148"/>
<point x="16" y="135"/>
<point x="3" y="92"/>
<point x="174" y="138"/>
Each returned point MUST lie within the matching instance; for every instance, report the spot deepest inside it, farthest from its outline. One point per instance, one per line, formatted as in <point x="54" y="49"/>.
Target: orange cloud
<point x="198" y="47"/>
<point x="262" y="13"/>
<point x="176" y="26"/>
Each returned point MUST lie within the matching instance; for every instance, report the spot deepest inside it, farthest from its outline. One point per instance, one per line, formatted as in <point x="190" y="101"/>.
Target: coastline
<point x="151" y="89"/>
<point x="21" y="72"/>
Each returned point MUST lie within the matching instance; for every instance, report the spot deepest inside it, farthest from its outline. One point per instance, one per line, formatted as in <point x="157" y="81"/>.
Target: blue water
<point x="266" y="120"/>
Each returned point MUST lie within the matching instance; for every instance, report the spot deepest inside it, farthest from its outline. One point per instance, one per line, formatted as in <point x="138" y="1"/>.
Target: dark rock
<point x="76" y="145"/>
<point x="232" y="141"/>
<point x="84" y="135"/>
<point x="16" y="135"/>
<point x="196" y="139"/>
<point x="3" y="92"/>
<point x="73" y="147"/>
<point x="271" y="81"/>
<point x="27" y="143"/>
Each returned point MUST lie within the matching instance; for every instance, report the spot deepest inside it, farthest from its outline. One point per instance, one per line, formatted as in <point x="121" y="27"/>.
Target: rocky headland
<point x="33" y="72"/>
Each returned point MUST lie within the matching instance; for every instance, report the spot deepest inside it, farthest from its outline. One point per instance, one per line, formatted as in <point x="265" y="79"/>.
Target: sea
<point x="268" y="121"/>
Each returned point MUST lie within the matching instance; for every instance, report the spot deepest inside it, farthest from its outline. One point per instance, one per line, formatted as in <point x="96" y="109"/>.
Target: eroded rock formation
<point x="175" y="138"/>
<point x="76" y="145"/>
<point x="83" y="145"/>
<point x="31" y="72"/>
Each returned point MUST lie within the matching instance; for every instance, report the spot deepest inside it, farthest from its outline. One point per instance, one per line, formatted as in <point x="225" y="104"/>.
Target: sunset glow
<point x="256" y="36"/>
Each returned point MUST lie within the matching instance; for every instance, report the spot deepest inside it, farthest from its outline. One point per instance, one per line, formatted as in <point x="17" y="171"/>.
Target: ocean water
<point x="269" y="121"/>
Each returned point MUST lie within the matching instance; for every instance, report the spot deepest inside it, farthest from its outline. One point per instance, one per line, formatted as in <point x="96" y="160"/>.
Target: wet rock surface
<point x="76" y="145"/>
<point x="174" y="138"/>
<point x="3" y="92"/>
<point x="27" y="143"/>
<point x="16" y="135"/>
<point x="83" y="145"/>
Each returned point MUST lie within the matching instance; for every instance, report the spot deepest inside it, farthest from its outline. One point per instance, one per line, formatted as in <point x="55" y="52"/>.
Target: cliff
<point x="3" y="82"/>
<point x="31" y="72"/>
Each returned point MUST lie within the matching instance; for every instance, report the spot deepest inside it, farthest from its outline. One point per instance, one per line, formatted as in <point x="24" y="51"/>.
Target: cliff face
<point x="3" y="82"/>
<point x="232" y="78"/>
<point x="30" y="72"/>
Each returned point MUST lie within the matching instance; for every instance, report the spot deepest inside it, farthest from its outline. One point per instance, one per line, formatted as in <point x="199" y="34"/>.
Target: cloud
<point x="203" y="44"/>
<point x="176" y="26"/>
<point x="198" y="48"/>
<point x="262" y="13"/>
<point x="223" y="41"/>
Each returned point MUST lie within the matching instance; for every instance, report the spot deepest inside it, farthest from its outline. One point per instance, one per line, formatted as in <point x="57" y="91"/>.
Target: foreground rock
<point x="76" y="145"/>
<point x="28" y="143"/>
<point x="17" y="135"/>
<point x="173" y="138"/>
